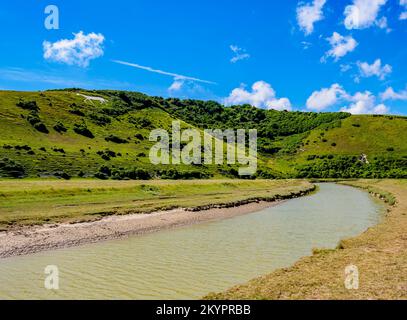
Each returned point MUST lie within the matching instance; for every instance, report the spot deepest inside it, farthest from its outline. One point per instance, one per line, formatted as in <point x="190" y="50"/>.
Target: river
<point x="189" y="262"/>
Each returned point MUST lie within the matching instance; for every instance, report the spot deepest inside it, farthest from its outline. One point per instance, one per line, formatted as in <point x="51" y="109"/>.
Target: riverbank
<point x="194" y="202"/>
<point x="379" y="253"/>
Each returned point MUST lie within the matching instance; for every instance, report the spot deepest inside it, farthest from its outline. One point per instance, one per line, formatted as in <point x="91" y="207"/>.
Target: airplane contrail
<point x="174" y="75"/>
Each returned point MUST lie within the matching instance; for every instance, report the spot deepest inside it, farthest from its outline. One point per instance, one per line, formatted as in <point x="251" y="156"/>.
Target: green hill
<point x="64" y="134"/>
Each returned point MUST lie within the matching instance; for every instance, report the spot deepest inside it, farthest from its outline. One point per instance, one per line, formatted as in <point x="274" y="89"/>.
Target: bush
<point x="60" y="150"/>
<point x="83" y="130"/>
<point x="10" y="168"/>
<point x="28" y="105"/>
<point x="133" y="174"/>
<point x="41" y="127"/>
<point x="333" y="144"/>
<point x="107" y="154"/>
<point x="140" y="122"/>
<point x="390" y="149"/>
<point x="59" y="127"/>
<point x="100" y="120"/>
<point x="176" y="175"/>
<point x="115" y="139"/>
<point x="25" y="147"/>
<point x="74" y="109"/>
<point x="62" y="175"/>
<point x="139" y="136"/>
<point x="106" y="170"/>
<point x="34" y="119"/>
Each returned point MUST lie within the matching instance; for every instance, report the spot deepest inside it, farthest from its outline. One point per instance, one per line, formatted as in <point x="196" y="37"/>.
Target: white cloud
<point x="375" y="69"/>
<point x="306" y="45"/>
<point x="78" y="51"/>
<point x="240" y="54"/>
<point x="390" y="94"/>
<point x="345" y="67"/>
<point x="261" y="96"/>
<point x="174" y="75"/>
<point x="403" y="15"/>
<point x="279" y="104"/>
<point x="176" y="85"/>
<point x="381" y="109"/>
<point x="364" y="14"/>
<point x="364" y="103"/>
<point x="308" y="14"/>
<point x="340" y="46"/>
<point x="359" y="103"/>
<point x="325" y="98"/>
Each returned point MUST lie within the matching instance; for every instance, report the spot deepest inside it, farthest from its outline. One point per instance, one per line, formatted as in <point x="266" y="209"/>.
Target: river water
<point x="189" y="262"/>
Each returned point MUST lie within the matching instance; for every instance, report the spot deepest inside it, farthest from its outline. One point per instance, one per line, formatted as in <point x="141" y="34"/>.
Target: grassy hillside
<point x="62" y="134"/>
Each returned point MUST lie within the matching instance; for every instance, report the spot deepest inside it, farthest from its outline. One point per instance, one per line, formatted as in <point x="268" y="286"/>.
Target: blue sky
<point x="320" y="55"/>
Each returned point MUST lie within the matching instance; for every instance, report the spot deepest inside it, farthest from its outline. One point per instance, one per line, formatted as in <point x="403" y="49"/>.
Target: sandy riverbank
<point x="48" y="237"/>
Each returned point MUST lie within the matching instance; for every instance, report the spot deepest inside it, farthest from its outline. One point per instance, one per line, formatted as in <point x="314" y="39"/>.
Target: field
<point x="379" y="253"/>
<point x="32" y="202"/>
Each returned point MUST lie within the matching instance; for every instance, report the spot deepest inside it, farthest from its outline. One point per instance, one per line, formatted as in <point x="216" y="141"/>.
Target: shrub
<point x="107" y="154"/>
<point x="10" y="168"/>
<point x="60" y="150"/>
<point x="101" y="176"/>
<point x="139" y="136"/>
<point x="25" y="147"/>
<point x="41" y="127"/>
<point x="106" y="170"/>
<point x="59" y="127"/>
<point x="62" y="175"/>
<point x="74" y="109"/>
<point x="100" y="120"/>
<point x="28" y="105"/>
<point x="390" y="149"/>
<point x="34" y="119"/>
<point x="115" y="139"/>
<point x="83" y="130"/>
<point x="133" y="174"/>
<point x="333" y="144"/>
<point x="140" y="122"/>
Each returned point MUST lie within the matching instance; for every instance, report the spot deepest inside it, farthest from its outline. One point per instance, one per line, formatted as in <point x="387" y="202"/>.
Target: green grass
<point x="80" y="152"/>
<point x="371" y="135"/>
<point x="375" y="136"/>
<point x="31" y="201"/>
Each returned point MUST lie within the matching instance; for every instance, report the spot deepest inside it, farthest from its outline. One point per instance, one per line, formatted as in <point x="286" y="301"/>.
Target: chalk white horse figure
<point x="90" y="98"/>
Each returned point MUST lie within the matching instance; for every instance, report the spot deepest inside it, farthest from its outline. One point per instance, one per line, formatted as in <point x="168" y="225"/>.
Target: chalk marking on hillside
<point x="90" y="98"/>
